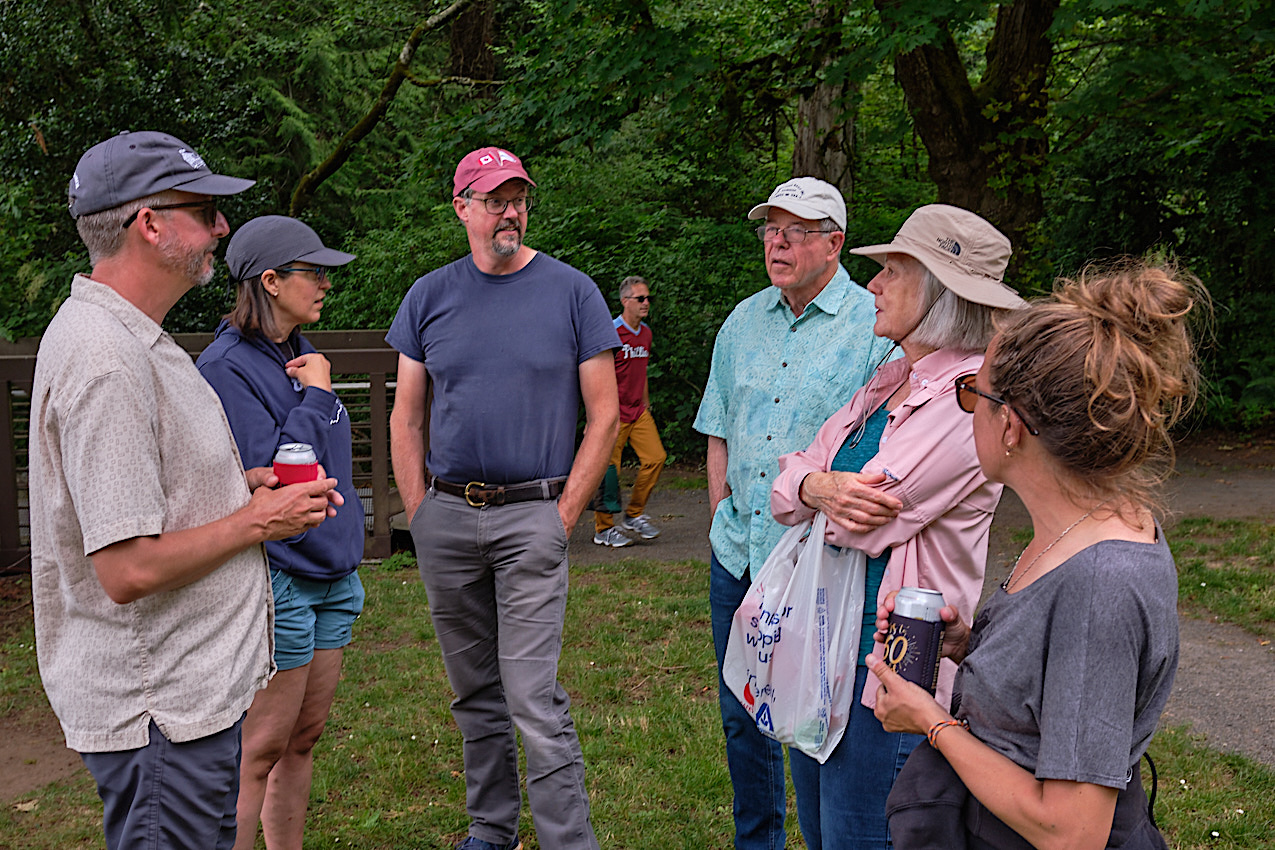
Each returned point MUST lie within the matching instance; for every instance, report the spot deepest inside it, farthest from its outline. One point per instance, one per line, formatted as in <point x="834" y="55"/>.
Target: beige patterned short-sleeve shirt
<point x="129" y="440"/>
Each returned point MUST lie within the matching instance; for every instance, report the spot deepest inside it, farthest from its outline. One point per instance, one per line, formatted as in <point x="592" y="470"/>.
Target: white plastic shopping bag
<point x="794" y="640"/>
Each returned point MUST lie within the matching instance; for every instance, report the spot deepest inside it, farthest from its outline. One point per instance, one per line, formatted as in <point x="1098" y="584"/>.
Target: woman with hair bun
<point x="1069" y="665"/>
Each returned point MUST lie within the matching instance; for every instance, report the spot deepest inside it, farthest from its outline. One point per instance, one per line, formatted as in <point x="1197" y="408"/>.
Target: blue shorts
<point x="170" y="795"/>
<point x="310" y="615"/>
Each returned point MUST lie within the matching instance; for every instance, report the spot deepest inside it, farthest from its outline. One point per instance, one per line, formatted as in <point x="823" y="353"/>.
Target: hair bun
<point x="1104" y="368"/>
<point x="1147" y="304"/>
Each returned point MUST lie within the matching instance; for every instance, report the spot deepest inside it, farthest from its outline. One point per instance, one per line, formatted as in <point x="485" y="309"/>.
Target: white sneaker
<point x="612" y="537"/>
<point x="640" y="525"/>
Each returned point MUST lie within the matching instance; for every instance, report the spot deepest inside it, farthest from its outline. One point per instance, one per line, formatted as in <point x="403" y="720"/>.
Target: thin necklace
<point x="1008" y="583"/>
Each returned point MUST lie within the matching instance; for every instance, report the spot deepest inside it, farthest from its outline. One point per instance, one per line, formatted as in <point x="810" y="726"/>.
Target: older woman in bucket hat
<point x="276" y="389"/>
<point x="897" y="475"/>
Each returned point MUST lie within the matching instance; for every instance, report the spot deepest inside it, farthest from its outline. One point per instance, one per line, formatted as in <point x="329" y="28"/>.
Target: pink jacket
<point x="927" y="453"/>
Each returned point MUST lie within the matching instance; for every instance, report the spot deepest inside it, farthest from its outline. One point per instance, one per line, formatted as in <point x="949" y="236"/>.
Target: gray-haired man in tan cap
<point x="150" y="587"/>
<point x="785" y="360"/>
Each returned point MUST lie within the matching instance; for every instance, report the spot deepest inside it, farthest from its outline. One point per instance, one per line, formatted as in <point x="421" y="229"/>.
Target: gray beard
<point x="186" y="262"/>
<point x="506" y="249"/>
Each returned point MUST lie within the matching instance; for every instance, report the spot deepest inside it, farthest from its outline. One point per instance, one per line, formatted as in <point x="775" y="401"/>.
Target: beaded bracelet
<point x="933" y="734"/>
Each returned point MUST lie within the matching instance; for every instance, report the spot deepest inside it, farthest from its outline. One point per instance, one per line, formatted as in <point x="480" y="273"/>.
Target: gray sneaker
<point x="640" y="525"/>
<point x="612" y="537"/>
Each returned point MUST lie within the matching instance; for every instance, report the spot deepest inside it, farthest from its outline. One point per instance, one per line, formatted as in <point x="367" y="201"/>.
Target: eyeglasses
<point x="497" y="206"/>
<point x="793" y="233"/>
<point x="209" y="209"/>
<point x="967" y="396"/>
<point x="320" y="272"/>
<point x="641" y="299"/>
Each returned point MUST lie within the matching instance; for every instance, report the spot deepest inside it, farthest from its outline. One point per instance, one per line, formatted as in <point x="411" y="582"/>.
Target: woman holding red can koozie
<point x="277" y="394"/>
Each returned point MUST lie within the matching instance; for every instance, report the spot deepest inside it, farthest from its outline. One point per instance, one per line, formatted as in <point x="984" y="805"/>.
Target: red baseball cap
<point x="486" y="168"/>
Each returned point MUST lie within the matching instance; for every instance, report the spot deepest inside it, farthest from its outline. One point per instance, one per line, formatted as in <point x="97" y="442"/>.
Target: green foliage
<point x="652" y="128"/>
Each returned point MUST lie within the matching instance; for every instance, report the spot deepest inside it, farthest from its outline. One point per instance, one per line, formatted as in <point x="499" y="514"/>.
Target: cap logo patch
<point x="506" y="156"/>
<point x="950" y="245"/>
<point x="193" y="159"/>
<point x="486" y="159"/>
<point x="75" y="178"/>
<point x="789" y="192"/>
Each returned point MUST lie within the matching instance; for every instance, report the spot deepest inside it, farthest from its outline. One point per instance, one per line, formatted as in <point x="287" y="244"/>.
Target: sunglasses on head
<point x="208" y="208"/>
<point x="967" y="397"/>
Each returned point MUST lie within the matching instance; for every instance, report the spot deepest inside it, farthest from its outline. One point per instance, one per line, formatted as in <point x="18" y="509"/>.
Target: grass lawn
<point x="638" y="664"/>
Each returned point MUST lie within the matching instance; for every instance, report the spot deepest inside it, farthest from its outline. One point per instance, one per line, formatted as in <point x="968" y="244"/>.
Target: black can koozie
<point x="915" y="637"/>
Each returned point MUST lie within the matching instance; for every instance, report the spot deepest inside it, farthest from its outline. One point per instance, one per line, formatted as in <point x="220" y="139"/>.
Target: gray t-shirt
<point x="1068" y="676"/>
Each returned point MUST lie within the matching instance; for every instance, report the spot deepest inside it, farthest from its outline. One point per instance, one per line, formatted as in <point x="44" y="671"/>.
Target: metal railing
<point x="362" y="364"/>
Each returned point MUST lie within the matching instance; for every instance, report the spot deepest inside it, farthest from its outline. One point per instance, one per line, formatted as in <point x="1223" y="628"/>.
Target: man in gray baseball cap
<point x="785" y="360"/>
<point x="150" y="585"/>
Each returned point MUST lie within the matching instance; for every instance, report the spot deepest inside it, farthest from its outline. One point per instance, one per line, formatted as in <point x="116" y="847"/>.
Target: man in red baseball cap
<point x="510" y="340"/>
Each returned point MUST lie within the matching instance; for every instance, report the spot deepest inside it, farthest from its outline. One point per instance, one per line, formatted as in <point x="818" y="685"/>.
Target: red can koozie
<point x="296" y="463"/>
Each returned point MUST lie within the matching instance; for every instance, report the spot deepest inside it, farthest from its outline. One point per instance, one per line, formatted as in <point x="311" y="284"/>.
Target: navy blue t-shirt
<point x="503" y="352"/>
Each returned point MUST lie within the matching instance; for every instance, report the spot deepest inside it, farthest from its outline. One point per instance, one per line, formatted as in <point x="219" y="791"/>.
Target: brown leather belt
<point x="478" y="494"/>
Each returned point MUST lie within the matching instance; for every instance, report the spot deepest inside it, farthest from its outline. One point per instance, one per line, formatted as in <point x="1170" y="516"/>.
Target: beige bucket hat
<point x="961" y="249"/>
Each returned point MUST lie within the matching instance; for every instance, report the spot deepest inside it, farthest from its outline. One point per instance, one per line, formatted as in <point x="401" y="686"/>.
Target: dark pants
<point x="841" y="803"/>
<point x="756" y="762"/>
<point x="167" y="795"/>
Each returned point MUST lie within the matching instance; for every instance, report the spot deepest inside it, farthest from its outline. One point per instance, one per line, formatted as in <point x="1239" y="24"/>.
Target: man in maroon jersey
<point x="637" y="427"/>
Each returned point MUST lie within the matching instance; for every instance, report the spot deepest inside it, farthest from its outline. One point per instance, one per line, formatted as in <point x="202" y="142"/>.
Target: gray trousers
<point x="497" y="584"/>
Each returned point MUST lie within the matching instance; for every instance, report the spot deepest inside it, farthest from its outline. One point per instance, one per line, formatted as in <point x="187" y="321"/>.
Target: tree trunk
<point x="824" y="143"/>
<point x="472" y="34"/>
<point x="824" y="146"/>
<point x="987" y="144"/>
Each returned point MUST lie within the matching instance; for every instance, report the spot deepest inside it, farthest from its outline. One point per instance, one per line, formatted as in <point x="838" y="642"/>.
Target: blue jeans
<point x="841" y="803"/>
<point x="756" y="762"/>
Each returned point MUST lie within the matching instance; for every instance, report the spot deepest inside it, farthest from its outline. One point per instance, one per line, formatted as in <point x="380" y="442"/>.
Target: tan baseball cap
<point x="961" y="249"/>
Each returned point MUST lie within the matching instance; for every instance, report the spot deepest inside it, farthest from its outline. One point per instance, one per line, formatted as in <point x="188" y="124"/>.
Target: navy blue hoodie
<point x="266" y="408"/>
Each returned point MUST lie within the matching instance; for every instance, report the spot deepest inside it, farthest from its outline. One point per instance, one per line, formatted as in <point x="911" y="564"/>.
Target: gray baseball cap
<point x="133" y="165"/>
<point x="274" y="241"/>
<point x="805" y="197"/>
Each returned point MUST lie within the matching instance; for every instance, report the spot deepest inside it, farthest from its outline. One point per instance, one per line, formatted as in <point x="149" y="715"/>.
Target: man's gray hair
<point x="626" y="285"/>
<point x="952" y="322"/>
<point x="103" y="232"/>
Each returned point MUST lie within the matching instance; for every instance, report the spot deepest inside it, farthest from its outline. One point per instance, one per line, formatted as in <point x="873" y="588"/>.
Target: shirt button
<point x="768" y="437"/>
<point x="763" y="475"/>
<point x="756" y="513"/>
<point x="784" y="364"/>
<point x="925" y="382"/>
<point x="776" y="401"/>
